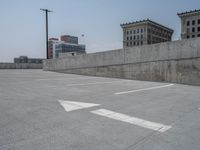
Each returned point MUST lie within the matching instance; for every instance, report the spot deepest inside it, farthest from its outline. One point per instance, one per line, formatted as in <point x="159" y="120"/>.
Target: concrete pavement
<point x="31" y="116"/>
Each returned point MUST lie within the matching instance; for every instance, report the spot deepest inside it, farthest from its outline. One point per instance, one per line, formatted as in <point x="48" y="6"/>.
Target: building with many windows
<point x="190" y="24"/>
<point x="66" y="44"/>
<point x="63" y="47"/>
<point x="25" y="59"/>
<point x="145" y="32"/>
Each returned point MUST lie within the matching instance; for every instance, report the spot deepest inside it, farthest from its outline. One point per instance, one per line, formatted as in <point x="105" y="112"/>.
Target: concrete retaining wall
<point x="20" y="66"/>
<point x="171" y="61"/>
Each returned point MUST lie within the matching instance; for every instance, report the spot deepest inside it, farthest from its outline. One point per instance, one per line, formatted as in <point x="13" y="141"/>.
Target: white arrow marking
<point x="71" y="105"/>
<point x="132" y="120"/>
<point x="146" y="89"/>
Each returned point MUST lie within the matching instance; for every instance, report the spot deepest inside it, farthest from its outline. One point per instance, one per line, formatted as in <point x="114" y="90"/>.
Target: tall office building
<point x="145" y="32"/>
<point x="66" y="44"/>
<point x="190" y="24"/>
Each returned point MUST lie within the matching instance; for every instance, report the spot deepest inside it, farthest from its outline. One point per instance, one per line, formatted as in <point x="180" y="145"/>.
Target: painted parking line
<point x="132" y="120"/>
<point x="94" y="83"/>
<point x="145" y="89"/>
<point x="66" y="78"/>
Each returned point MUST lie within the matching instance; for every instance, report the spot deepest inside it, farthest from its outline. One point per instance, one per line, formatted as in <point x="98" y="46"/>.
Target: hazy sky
<point x="22" y="24"/>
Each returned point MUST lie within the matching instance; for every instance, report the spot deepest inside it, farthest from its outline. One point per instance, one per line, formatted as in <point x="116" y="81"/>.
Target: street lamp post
<point x="46" y="11"/>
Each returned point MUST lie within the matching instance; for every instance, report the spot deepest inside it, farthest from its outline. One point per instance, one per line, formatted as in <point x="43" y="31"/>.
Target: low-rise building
<point x="190" y="24"/>
<point x="145" y="32"/>
<point x="25" y="59"/>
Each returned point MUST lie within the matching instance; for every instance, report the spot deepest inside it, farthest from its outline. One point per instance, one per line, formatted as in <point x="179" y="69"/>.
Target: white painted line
<point x="132" y="120"/>
<point x="93" y="83"/>
<point x="145" y="89"/>
<point x="65" y="78"/>
<point x="71" y="105"/>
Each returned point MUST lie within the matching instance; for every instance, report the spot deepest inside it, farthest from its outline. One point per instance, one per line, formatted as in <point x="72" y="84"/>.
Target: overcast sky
<point x="22" y="24"/>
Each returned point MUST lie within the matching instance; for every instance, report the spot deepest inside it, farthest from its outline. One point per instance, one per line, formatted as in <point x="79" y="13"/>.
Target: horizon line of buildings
<point x="145" y="32"/>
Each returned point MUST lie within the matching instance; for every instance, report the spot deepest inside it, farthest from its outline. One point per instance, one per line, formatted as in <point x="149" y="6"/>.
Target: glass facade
<point x="65" y="48"/>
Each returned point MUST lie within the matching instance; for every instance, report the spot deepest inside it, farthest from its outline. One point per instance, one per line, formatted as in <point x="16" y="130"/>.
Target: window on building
<point x="193" y="36"/>
<point x="198" y="35"/>
<point x="138" y="37"/>
<point x="188" y="36"/>
<point x="138" y="43"/>
<point x="141" y="42"/>
<point x="188" y="23"/>
<point x="193" y="29"/>
<point x="193" y="22"/>
<point x="134" y="37"/>
<point x="141" y="30"/>
<point x="141" y="36"/>
<point x="134" y="43"/>
<point x="198" y="21"/>
<point x="134" y="31"/>
<point x="188" y="30"/>
<point x="130" y="43"/>
<point x="127" y="44"/>
<point x="198" y="29"/>
<point x="131" y="38"/>
<point x="138" y="30"/>
<point x="127" y="38"/>
<point x="131" y="32"/>
<point x="127" y="32"/>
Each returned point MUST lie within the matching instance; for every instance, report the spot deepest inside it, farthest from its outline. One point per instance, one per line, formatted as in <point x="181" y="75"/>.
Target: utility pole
<point x="46" y="11"/>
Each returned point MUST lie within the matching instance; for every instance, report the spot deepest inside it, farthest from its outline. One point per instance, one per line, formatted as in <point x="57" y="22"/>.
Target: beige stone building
<point x="145" y="32"/>
<point x="190" y="24"/>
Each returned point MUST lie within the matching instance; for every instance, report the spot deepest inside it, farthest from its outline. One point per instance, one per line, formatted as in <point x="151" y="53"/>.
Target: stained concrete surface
<point x="32" y="118"/>
<point x="177" y="61"/>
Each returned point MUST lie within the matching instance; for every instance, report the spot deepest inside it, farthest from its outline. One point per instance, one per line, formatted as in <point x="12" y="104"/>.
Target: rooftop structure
<point x="69" y="39"/>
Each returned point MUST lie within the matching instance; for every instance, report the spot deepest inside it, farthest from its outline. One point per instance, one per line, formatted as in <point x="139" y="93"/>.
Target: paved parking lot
<point x="52" y="111"/>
